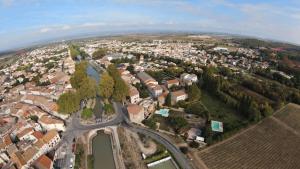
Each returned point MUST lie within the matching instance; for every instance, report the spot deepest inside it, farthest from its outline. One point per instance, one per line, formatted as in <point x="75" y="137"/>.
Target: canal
<point x="102" y="151"/>
<point x="101" y="143"/>
<point x="93" y="73"/>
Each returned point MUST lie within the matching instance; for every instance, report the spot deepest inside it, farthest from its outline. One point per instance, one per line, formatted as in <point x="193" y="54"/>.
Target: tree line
<point x="85" y="88"/>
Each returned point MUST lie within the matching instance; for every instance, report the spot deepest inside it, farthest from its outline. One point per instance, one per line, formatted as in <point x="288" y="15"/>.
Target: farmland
<point x="272" y="143"/>
<point x="290" y="115"/>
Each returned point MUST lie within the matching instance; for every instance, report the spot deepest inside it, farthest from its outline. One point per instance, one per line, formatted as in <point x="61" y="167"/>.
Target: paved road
<point x="179" y="157"/>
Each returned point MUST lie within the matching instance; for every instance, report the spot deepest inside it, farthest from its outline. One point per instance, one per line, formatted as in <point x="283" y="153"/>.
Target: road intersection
<point x="75" y="129"/>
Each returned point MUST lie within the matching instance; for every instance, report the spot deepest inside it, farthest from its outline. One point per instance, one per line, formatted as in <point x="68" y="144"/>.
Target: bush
<point x="194" y="144"/>
<point x="184" y="150"/>
<point x="150" y="123"/>
<point x="86" y="113"/>
<point x="197" y="109"/>
<point x="108" y="108"/>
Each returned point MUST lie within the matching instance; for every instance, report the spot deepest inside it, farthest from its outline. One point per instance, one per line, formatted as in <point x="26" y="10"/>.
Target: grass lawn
<point x="164" y="125"/>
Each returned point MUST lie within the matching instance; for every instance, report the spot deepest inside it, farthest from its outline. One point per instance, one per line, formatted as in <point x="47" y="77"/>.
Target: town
<point x="136" y="102"/>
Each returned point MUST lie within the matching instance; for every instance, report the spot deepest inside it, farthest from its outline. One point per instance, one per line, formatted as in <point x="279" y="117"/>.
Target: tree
<point x="194" y="93"/>
<point x="106" y="86"/>
<point x="74" y="52"/>
<point x="184" y="150"/>
<point x="68" y="103"/>
<point x="121" y="90"/>
<point x="130" y="68"/>
<point x="197" y="109"/>
<point x="194" y="144"/>
<point x="88" y="88"/>
<point x="142" y="90"/>
<point x="86" y="113"/>
<point x="151" y="123"/>
<point x="168" y="100"/>
<point x="113" y="71"/>
<point x="79" y="75"/>
<point x="177" y="123"/>
<point x="108" y="108"/>
<point x="34" y="118"/>
<point x="99" y="53"/>
<point x="267" y="110"/>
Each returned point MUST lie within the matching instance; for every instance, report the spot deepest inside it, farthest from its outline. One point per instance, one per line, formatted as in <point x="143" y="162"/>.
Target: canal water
<point x="93" y="73"/>
<point x="102" y="151"/>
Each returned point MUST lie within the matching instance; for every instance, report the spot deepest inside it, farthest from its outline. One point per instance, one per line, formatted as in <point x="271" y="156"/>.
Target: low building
<point x="134" y="95"/>
<point x="43" y="162"/>
<point x="173" y="82"/>
<point x="149" y="106"/>
<point x="136" y="113"/>
<point x="188" y="79"/>
<point x="193" y="133"/>
<point x="178" y="96"/>
<point x="51" y="139"/>
<point x="49" y="123"/>
<point x="155" y="90"/>
<point x="146" y="79"/>
<point x="26" y="134"/>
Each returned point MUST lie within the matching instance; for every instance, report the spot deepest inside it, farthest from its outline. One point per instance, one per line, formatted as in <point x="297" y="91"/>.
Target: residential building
<point x="188" y="79"/>
<point x="173" y="82"/>
<point x="155" y="90"/>
<point x="146" y="79"/>
<point x="136" y="113"/>
<point x="43" y="162"/>
<point x="134" y="95"/>
<point x="49" y="123"/>
<point x="178" y="96"/>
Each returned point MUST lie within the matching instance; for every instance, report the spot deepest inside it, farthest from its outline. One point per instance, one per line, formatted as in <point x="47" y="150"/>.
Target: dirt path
<point x="197" y="161"/>
<point x="131" y="153"/>
<point x="148" y="149"/>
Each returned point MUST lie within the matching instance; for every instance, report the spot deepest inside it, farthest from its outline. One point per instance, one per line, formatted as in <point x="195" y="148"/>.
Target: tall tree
<point x="121" y="90"/>
<point x="113" y="71"/>
<point x="99" y="53"/>
<point x="68" y="103"/>
<point x="88" y="88"/>
<point x="194" y="93"/>
<point x="106" y="86"/>
<point x="177" y="123"/>
<point x="79" y="75"/>
<point x="267" y="110"/>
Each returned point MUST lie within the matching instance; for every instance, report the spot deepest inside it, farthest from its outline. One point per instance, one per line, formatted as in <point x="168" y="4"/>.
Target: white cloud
<point x="7" y="2"/>
<point x="66" y="27"/>
<point x="93" y="24"/>
<point x="45" y="30"/>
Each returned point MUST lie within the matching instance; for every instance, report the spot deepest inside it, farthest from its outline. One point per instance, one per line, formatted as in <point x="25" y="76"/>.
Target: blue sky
<point x="23" y="22"/>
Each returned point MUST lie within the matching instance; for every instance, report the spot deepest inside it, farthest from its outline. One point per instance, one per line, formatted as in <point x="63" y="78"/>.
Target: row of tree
<point x="86" y="87"/>
<point x="112" y="85"/>
<point x="247" y="105"/>
<point x="75" y="52"/>
<point x="99" y="53"/>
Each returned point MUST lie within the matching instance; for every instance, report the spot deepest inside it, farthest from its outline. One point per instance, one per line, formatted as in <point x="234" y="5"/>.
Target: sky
<point x="24" y="22"/>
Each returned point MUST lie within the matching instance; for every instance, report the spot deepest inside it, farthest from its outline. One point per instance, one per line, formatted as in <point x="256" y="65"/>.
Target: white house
<point x="188" y="79"/>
